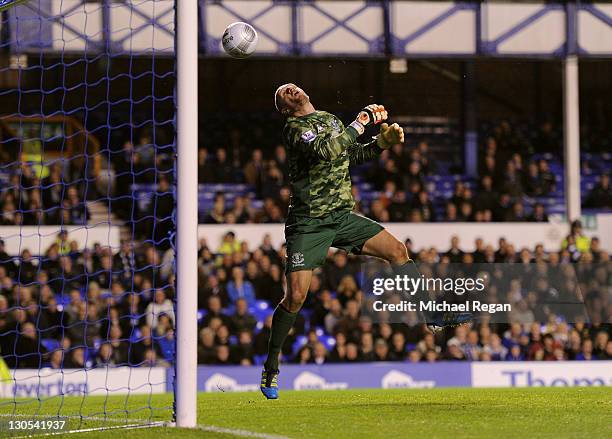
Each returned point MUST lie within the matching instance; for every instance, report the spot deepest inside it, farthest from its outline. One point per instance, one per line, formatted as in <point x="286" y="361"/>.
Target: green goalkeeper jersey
<point x="320" y="150"/>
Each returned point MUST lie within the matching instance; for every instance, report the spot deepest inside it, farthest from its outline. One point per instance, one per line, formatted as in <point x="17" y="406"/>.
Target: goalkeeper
<point x="320" y="150"/>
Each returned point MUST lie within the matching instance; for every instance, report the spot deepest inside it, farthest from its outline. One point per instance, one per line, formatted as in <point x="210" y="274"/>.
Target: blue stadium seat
<point x="201" y="314"/>
<point x="135" y="335"/>
<point x="262" y="305"/>
<point x="259" y="359"/>
<point x="328" y="341"/>
<point x="298" y="343"/>
<point x="261" y="311"/>
<point x="50" y="344"/>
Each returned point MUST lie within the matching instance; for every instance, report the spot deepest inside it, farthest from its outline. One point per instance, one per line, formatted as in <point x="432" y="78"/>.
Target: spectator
<point x="454" y="352"/>
<point x="534" y="186"/>
<point x="539" y="214"/>
<point x="451" y="213"/>
<point x="239" y="210"/>
<point x="472" y="347"/>
<point x="495" y="349"/>
<point x="27" y="349"/>
<point x="586" y="354"/>
<point x="607" y="355"/>
<point x="206" y="169"/>
<point x="398" y="207"/>
<point x="151" y="359"/>
<point x="56" y="359"/>
<point x="243" y="352"/>
<point x="503" y="207"/>
<point x="223" y="170"/>
<point x="381" y="350"/>
<point x="319" y="354"/>
<point x="223" y="355"/>
<point x="398" y="347"/>
<point x="512" y="183"/>
<point x="425" y="207"/>
<point x="366" y="352"/>
<point x="229" y="244"/>
<point x="242" y="320"/>
<point x="217" y="214"/>
<point x="334" y="315"/>
<point x="239" y="288"/>
<point x="454" y="253"/>
<point x="140" y="347"/>
<point x="254" y="170"/>
<point x="215" y="312"/>
<point x="105" y="356"/>
<point x="414" y="356"/>
<point x="576" y="242"/>
<point x="84" y="329"/>
<point x="78" y="211"/>
<point x="78" y="359"/>
<point x="160" y="306"/>
<point x="601" y="195"/>
<point x="486" y="197"/>
<point x="213" y="288"/>
<point x="517" y="214"/>
<point x="206" y="346"/>
<point x="547" y="179"/>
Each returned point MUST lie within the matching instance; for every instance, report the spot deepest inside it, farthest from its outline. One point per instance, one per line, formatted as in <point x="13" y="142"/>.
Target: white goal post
<point x="186" y="212"/>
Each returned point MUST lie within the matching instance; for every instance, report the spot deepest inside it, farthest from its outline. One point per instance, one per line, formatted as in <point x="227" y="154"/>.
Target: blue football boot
<point x="441" y="320"/>
<point x="269" y="383"/>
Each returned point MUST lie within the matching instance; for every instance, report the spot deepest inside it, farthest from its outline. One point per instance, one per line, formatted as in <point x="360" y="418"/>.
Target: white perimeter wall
<point x="433" y="234"/>
<point x="38" y="238"/>
<point x="46" y="382"/>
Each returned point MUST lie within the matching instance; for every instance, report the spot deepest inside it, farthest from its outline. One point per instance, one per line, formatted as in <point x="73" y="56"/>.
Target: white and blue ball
<point x="239" y="40"/>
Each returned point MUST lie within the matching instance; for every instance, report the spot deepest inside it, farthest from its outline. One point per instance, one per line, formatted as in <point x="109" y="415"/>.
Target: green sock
<point x="282" y="322"/>
<point x="411" y="270"/>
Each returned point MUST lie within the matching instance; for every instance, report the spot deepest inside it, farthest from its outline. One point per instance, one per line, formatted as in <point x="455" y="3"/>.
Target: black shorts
<point x="309" y="239"/>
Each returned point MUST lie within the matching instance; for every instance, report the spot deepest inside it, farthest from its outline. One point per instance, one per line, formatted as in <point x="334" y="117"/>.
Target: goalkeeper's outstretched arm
<point x="363" y="152"/>
<point x="389" y="136"/>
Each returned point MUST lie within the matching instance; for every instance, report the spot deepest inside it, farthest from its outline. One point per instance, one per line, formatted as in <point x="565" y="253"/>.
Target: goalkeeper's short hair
<point x="278" y="104"/>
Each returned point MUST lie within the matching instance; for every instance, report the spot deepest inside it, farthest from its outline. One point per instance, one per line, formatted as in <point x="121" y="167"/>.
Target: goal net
<point x="87" y="206"/>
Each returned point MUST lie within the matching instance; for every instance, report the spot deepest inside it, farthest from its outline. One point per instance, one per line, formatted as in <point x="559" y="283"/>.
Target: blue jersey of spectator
<point x="239" y="288"/>
<point x="515" y="354"/>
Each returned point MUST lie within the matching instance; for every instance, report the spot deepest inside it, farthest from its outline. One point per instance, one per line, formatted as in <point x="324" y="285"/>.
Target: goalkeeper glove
<point x="371" y="115"/>
<point x="389" y="136"/>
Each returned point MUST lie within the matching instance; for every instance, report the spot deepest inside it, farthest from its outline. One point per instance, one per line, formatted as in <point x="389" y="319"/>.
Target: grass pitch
<point x="432" y="413"/>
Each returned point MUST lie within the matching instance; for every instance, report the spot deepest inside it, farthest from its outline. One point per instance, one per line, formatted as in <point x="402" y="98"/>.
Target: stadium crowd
<point x="91" y="307"/>
<point x="332" y="328"/>
<point x="75" y="307"/>
<point x="514" y="180"/>
<point x="57" y="198"/>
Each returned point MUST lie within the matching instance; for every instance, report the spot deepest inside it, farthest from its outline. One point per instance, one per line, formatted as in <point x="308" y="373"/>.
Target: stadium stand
<point x="94" y="315"/>
<point x="100" y="306"/>
<point x="520" y="179"/>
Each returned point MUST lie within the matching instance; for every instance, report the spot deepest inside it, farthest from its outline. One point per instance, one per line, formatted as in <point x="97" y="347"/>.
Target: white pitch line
<point x="240" y="433"/>
<point x="212" y="428"/>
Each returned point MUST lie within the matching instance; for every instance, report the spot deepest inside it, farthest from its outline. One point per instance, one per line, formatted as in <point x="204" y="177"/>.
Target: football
<point x="239" y="40"/>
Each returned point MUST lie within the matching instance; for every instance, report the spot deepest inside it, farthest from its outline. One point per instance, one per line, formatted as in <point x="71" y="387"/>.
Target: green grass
<point x="433" y="413"/>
